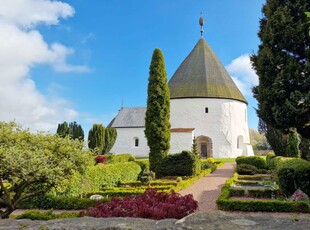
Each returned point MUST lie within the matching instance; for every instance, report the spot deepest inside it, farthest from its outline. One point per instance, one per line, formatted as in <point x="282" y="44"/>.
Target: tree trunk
<point x="7" y="212"/>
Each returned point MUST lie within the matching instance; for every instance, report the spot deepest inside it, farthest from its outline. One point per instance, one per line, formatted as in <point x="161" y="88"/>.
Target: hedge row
<point x="48" y="215"/>
<point x="58" y="202"/>
<point x="99" y="177"/>
<point x="120" y="158"/>
<point x="225" y="203"/>
<point x="256" y="161"/>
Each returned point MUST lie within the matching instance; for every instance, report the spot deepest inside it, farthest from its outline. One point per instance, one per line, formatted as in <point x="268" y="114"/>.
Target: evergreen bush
<point x="293" y="173"/>
<point x="256" y="161"/>
<point x="46" y="201"/>
<point x="47" y="215"/>
<point x="120" y="158"/>
<point x="246" y="169"/>
<point x="180" y="164"/>
<point x="270" y="160"/>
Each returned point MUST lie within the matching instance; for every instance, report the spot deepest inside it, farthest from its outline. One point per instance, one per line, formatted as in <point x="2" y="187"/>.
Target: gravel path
<point x="207" y="189"/>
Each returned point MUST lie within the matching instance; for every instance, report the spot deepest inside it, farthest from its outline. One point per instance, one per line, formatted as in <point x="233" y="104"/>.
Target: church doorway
<point x="204" y="146"/>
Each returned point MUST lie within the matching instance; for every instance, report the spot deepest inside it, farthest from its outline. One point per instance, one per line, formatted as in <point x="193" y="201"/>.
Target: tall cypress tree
<point x="157" y="125"/>
<point x="96" y="137"/>
<point x="283" y="66"/>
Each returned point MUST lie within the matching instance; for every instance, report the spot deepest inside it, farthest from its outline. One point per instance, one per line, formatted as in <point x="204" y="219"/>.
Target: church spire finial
<point x="201" y="22"/>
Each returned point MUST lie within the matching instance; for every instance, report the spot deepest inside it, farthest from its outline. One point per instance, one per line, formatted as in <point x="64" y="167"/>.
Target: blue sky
<point x="81" y="60"/>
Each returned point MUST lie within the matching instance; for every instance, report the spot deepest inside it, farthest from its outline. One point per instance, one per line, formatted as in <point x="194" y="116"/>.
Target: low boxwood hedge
<point x="47" y="215"/>
<point x="45" y="201"/>
<point x="225" y="203"/>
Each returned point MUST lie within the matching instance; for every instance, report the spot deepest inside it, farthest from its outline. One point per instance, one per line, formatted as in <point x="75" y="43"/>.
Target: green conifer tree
<point x="96" y="138"/>
<point x="110" y="138"/>
<point x="157" y="125"/>
<point x="282" y="64"/>
<point x="76" y="131"/>
<point x="63" y="129"/>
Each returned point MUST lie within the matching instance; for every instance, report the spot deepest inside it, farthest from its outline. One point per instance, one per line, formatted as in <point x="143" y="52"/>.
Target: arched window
<point x="136" y="142"/>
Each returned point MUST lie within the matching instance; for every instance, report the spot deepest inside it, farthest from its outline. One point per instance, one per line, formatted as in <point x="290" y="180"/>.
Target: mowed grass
<point x="226" y="160"/>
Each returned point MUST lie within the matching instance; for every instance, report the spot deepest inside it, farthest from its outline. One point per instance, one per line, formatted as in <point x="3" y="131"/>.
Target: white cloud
<point x="22" y="47"/>
<point x="243" y="74"/>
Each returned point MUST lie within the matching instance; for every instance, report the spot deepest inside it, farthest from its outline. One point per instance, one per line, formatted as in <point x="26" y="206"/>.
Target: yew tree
<point x="282" y="64"/>
<point x="157" y="125"/>
<point x="31" y="164"/>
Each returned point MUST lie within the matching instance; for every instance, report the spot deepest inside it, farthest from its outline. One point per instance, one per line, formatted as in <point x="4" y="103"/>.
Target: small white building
<point x="205" y="104"/>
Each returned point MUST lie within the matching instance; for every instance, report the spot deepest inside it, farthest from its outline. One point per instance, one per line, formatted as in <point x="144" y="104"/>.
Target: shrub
<point x="101" y="159"/>
<point x="151" y="204"/>
<point x="110" y="175"/>
<point x="270" y="160"/>
<point x="266" y="193"/>
<point x="293" y="173"/>
<point x="246" y="169"/>
<point x="236" y="192"/>
<point x="98" y="177"/>
<point x="146" y="177"/>
<point x="205" y="165"/>
<point x="179" y="179"/>
<point x="210" y="160"/>
<point x="256" y="161"/>
<point x="48" y="215"/>
<point x="144" y="164"/>
<point x="180" y="164"/>
<point x="121" y="158"/>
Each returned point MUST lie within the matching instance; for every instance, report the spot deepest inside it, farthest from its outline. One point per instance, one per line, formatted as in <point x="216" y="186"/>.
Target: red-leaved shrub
<point x="151" y="205"/>
<point x="101" y="159"/>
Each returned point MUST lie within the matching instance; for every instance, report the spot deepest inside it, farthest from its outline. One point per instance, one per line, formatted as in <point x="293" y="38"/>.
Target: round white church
<point x="205" y="104"/>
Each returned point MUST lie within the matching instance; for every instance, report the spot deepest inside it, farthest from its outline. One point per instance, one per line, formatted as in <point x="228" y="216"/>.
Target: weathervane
<point x="201" y="22"/>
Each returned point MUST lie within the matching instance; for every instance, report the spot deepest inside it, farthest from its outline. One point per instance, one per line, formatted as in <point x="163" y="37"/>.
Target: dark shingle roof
<point x="129" y="117"/>
<point x="202" y="75"/>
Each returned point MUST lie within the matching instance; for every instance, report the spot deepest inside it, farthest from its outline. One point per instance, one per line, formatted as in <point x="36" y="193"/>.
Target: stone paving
<point x="207" y="189"/>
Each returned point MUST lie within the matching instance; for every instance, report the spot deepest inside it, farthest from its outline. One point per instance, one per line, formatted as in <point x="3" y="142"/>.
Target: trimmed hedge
<point x="121" y="158"/>
<point x="180" y="164"/>
<point x="225" y="203"/>
<point x="253" y="177"/>
<point x="104" y="176"/>
<point x="246" y="169"/>
<point x="256" y="161"/>
<point x="97" y="177"/>
<point x="48" y="215"/>
<point x="266" y="193"/>
<point x="57" y="202"/>
<point x="236" y="192"/>
<point x="293" y="173"/>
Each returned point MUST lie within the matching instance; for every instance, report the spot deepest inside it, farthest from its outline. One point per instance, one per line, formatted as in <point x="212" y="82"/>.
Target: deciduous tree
<point x="31" y="164"/>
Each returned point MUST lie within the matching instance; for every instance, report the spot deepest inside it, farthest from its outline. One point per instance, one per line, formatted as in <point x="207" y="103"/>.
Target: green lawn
<point x="226" y="160"/>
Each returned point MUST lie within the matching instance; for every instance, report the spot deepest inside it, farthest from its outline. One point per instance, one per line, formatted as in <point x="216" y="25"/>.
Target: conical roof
<point x="202" y="75"/>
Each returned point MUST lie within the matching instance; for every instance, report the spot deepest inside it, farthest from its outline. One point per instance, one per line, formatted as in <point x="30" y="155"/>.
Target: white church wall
<point x="126" y="140"/>
<point x="180" y="141"/>
<point x="224" y="121"/>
